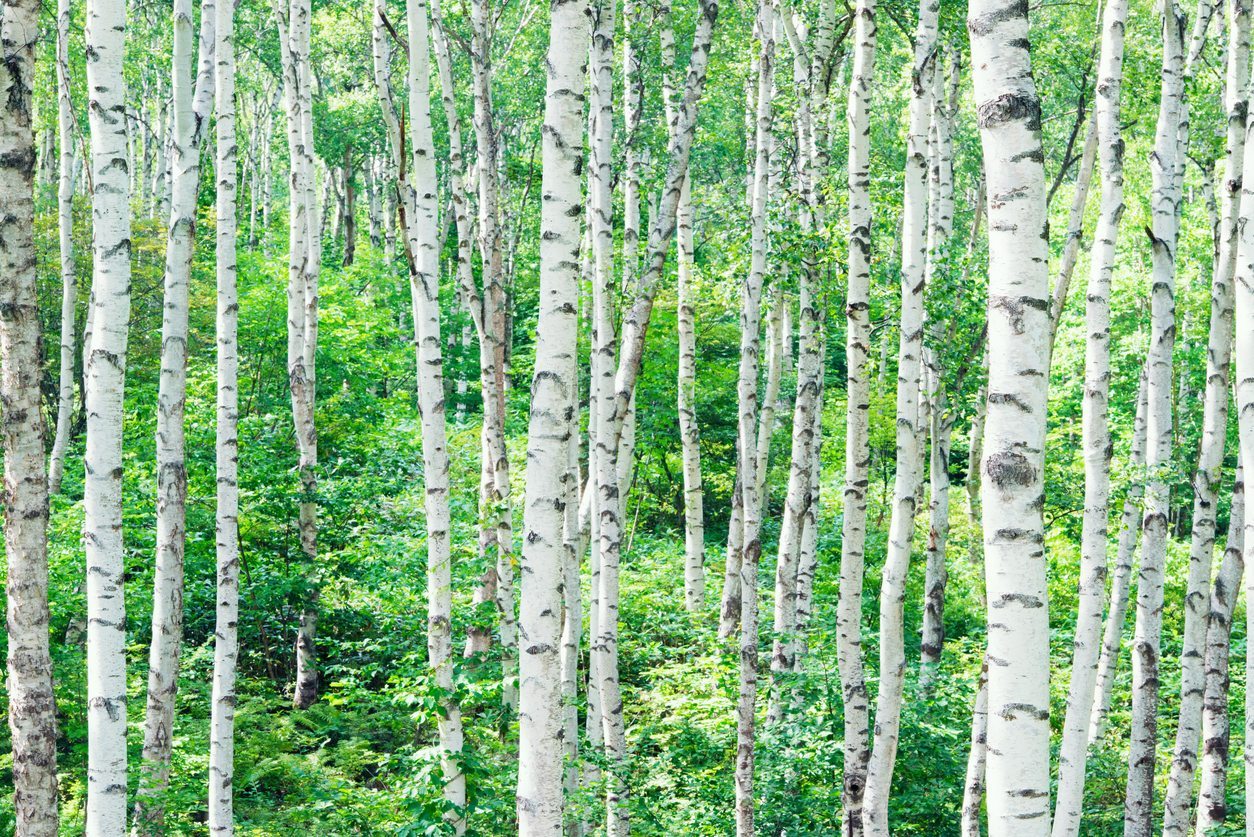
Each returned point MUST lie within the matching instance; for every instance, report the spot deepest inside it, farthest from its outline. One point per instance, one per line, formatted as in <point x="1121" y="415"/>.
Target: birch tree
<point x="1207" y="477"/>
<point x="304" y="262"/>
<point x="857" y="751"/>
<point x="65" y="240"/>
<point x="907" y="480"/>
<point x="1212" y="802"/>
<point x="1121" y="578"/>
<point x="191" y="107"/>
<point x="552" y="432"/>
<point x="106" y="374"/>
<point x="1072" y="758"/>
<point x="226" y="632"/>
<point x="747" y="407"/>
<point x="31" y="707"/>
<point x="1009" y="113"/>
<point x="1165" y="205"/>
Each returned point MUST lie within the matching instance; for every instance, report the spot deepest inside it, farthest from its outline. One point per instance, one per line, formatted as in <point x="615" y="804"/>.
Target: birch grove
<point x="512" y="432"/>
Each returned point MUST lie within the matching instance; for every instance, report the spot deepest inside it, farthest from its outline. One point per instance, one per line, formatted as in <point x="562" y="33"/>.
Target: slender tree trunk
<point x="226" y="636"/>
<point x="31" y="705"/>
<point x="106" y="373"/>
<point x="1121" y="578"/>
<point x="65" y="230"/>
<point x="857" y="751"/>
<point x="689" y="434"/>
<point x="1206" y="480"/>
<point x="304" y="259"/>
<point x="977" y="758"/>
<point x="1009" y="114"/>
<point x="425" y="290"/>
<point x="690" y="440"/>
<point x="908" y="479"/>
<point x="192" y="106"/>
<point x="1165" y="204"/>
<point x="1244" y="378"/>
<point x="1086" y="646"/>
<point x="1075" y="224"/>
<point x="492" y="358"/>
<point x="350" y="207"/>
<point x="940" y="417"/>
<point x="747" y="401"/>
<point x="547" y="546"/>
<point x="1212" y="803"/>
<point x="608" y="500"/>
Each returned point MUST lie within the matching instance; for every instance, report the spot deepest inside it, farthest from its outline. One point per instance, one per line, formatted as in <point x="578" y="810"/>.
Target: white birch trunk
<point x="425" y="292"/>
<point x="607" y="499"/>
<point x="1121" y="578"/>
<point x="105" y="374"/>
<point x="940" y="418"/>
<point x="689" y="435"/>
<point x="31" y="704"/>
<point x="1165" y="205"/>
<point x="907" y="479"/>
<point x="857" y="751"/>
<point x="1009" y="114"/>
<point x="192" y="107"/>
<point x="226" y="633"/>
<point x="977" y="759"/>
<point x="1086" y="646"/>
<point x="748" y="412"/>
<point x="1075" y="226"/>
<point x="547" y="546"/>
<point x="1212" y="803"/>
<point x="1206" y="480"/>
<point x="65" y="231"/>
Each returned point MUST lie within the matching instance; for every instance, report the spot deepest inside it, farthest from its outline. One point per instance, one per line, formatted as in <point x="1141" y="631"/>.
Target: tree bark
<point x="977" y="759"/>
<point x="1212" y="803"/>
<point x="907" y="480"/>
<point x="31" y="704"/>
<point x="940" y="417"/>
<point x="1165" y="205"/>
<point x="304" y="261"/>
<point x="226" y="634"/>
<point x="1009" y="113"/>
<point x="1207" y="477"/>
<point x="1086" y="647"/>
<point x="547" y="548"/>
<point x="1121" y="578"/>
<point x="65" y="230"/>
<point x="192" y="107"/>
<point x="748" y="414"/>
<point x="106" y="373"/>
<point x="857" y="751"/>
<point x="423" y="235"/>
